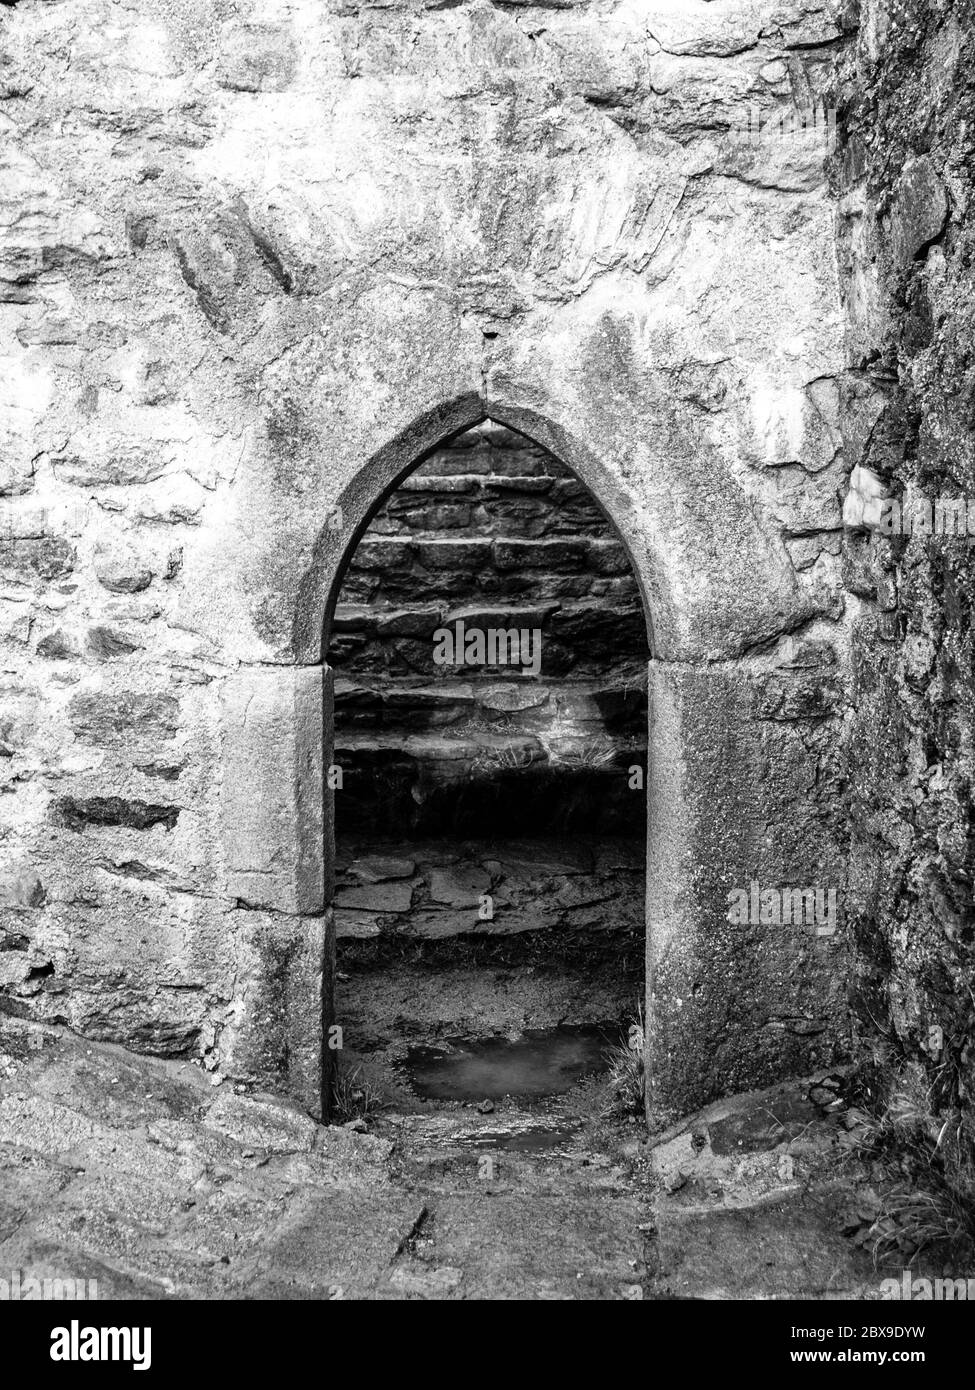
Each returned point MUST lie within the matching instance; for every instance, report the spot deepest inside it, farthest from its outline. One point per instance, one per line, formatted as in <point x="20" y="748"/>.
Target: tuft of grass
<point x="353" y="1097"/>
<point x="626" y="1072"/>
<point x="594" y="752"/>
<point x="927" y="1205"/>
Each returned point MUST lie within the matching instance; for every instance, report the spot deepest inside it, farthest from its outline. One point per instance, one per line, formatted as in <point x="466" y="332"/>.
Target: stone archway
<point x="489" y="810"/>
<point x="725" y="1008"/>
<point x="355" y="508"/>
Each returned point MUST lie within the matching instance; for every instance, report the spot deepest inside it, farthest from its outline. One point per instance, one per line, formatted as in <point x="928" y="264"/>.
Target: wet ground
<point x="159" y="1181"/>
<point x="540" y="1063"/>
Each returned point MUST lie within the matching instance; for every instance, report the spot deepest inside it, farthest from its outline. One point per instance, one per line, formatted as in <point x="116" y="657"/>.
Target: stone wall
<point x="582" y="892"/>
<point x="904" y="177"/>
<point x="492" y="532"/>
<point x="256" y="262"/>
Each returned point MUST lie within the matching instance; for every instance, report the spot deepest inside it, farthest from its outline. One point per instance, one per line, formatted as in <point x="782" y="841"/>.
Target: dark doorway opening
<point x="490" y="654"/>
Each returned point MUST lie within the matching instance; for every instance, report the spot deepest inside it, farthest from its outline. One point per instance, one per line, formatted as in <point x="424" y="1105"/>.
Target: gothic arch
<point x="725" y="1010"/>
<point x="387" y="468"/>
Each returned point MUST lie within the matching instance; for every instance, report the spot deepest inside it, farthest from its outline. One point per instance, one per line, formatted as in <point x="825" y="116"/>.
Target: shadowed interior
<point x="491" y="819"/>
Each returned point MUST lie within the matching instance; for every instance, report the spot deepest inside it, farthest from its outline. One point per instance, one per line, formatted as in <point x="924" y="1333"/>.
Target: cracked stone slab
<point x="459" y="886"/>
<point x="376" y="897"/>
<point x="340" y="1240"/>
<point x="378" y="868"/>
<point x="262" y="1123"/>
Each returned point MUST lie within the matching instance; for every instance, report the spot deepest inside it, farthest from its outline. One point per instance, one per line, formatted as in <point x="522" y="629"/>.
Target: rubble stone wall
<point x="904" y="179"/>
<point x="256" y="262"/>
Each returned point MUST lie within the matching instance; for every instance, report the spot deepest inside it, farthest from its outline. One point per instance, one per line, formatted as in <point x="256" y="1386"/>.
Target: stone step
<point x="387" y="619"/>
<point x="472" y="484"/>
<point x="436" y="551"/>
<point x="434" y="890"/>
<point x="483" y="752"/>
<point x="412" y="584"/>
<point x="526" y="1246"/>
<point x="570" y="714"/>
<point x="438" y="748"/>
<point x="376" y="860"/>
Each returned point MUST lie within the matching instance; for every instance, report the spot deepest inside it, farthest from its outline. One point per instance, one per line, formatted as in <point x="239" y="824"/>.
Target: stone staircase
<point x="491" y="533"/>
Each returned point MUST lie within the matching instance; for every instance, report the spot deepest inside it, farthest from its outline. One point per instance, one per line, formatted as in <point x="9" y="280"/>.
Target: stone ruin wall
<point x="255" y="262"/>
<point x="904" y="182"/>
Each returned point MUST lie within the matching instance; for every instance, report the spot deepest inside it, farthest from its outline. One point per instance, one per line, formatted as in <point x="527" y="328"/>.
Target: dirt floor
<point x="159" y="1181"/>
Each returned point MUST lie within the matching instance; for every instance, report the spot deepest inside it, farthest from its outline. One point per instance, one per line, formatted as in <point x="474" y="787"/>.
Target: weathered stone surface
<point x="257" y="1123"/>
<point x="528" y="886"/>
<point x="22" y="891"/>
<point x="253" y="271"/>
<point x="256" y="58"/>
<point x="79" y="813"/>
<point x="141" y="1175"/>
<point x="124" y="466"/>
<point x="378" y="868"/>
<point x="107" y="643"/>
<point x="272" y="804"/>
<point x="276" y="1036"/>
<point x="920" y="209"/>
<point x="416" y="622"/>
<point x="458" y="887"/>
<point x="512" y="698"/>
<point x="376" y="897"/>
<point x="779" y="990"/>
<point x="552" y="555"/>
<point x="36" y="561"/>
<point x="355" y="926"/>
<point x="905" y="237"/>
<point x="16" y="474"/>
<point x="450" y="554"/>
<point x="121" y="570"/>
<point x="106" y="718"/>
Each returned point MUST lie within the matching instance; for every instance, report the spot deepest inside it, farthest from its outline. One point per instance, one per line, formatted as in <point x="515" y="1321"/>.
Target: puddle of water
<point x="542" y="1062"/>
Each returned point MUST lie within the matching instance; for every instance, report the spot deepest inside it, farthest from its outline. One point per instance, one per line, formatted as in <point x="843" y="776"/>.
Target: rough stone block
<point x="121" y="569"/>
<point x="920" y="209"/>
<point x="378" y="868"/>
<point x="545" y="554"/>
<point x="376" y="897"/>
<point x="731" y="1004"/>
<point x="409" y="622"/>
<point x="272" y="800"/>
<point x="114" y="718"/>
<point x="119" y="466"/>
<point x="36" y="561"/>
<point x="261" y="1124"/>
<point x="282" y="1009"/>
<point x="257" y="58"/>
<point x="452" y="554"/>
<point x="22" y="891"/>
<point x="459" y="886"/>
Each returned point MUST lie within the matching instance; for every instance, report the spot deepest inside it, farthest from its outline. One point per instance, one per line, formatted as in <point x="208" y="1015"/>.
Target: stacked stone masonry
<point x="256" y="262"/>
<point x="490" y="533"/>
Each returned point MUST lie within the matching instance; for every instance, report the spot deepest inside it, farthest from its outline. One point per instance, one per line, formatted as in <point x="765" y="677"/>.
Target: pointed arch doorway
<point x="489" y="647"/>
<point x="727" y="1008"/>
